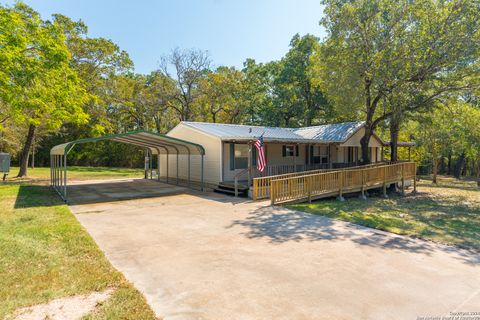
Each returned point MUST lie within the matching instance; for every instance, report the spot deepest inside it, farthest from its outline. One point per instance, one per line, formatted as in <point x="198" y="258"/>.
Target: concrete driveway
<point x="208" y="256"/>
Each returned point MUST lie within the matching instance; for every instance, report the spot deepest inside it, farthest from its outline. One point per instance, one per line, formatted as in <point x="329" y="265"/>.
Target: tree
<point x="297" y="77"/>
<point x="256" y="93"/>
<point x="97" y="61"/>
<point x="189" y="67"/>
<point x="378" y="47"/>
<point x="222" y="96"/>
<point x="44" y="89"/>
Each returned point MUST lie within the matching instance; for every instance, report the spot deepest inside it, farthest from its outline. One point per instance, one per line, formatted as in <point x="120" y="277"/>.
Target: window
<point x="350" y="154"/>
<point x="320" y="154"/>
<point x="238" y="156"/>
<point x="288" y="150"/>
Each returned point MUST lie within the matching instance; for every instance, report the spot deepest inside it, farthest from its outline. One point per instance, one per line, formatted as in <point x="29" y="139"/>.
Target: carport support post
<point x="177" y="167"/>
<point x="168" y="156"/>
<point x="54" y="177"/>
<point x="158" y="164"/>
<point x="150" y="163"/>
<point x="146" y="164"/>
<point x="60" y="174"/>
<point x="201" y="174"/>
<point x="65" y="177"/>
<point x="189" y="168"/>
<point x="57" y="163"/>
<point x="55" y="174"/>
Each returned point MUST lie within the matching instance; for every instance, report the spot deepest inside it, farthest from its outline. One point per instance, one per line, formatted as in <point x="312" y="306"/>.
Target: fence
<point x="307" y="187"/>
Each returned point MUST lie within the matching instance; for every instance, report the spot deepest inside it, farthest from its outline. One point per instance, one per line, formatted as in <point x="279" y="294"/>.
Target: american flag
<point x="261" y="161"/>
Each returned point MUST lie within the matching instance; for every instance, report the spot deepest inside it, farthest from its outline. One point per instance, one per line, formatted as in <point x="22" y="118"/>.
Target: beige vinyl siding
<point x="354" y="140"/>
<point x="212" y="160"/>
<point x="274" y="155"/>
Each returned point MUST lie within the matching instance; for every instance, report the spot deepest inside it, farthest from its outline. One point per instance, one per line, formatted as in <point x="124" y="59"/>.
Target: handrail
<point x="261" y="185"/>
<point x="337" y="183"/>
<point x="235" y="178"/>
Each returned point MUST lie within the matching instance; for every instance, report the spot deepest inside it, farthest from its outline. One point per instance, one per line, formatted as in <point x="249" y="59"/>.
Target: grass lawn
<point x="46" y="254"/>
<point x="42" y="175"/>
<point x="448" y="212"/>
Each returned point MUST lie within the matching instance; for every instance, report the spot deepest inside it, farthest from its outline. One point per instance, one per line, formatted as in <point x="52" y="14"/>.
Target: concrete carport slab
<point x="208" y="256"/>
<point x="99" y="191"/>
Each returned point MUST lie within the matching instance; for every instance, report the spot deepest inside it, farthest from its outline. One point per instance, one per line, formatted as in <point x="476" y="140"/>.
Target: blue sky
<point x="230" y="30"/>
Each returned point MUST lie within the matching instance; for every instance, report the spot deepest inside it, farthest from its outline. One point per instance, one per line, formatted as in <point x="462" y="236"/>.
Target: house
<point x="223" y="156"/>
<point x="230" y="154"/>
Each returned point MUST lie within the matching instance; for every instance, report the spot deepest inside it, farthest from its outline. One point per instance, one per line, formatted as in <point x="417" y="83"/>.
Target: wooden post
<point x="385" y="182"/>
<point x="340" y="191"/>
<point x="415" y="178"/>
<point x="309" y="188"/>
<point x="362" y="195"/>
<point x="402" y="192"/>
<point x="273" y="192"/>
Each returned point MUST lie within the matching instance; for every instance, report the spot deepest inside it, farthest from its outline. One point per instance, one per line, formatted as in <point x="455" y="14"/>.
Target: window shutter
<point x="232" y="156"/>
<point x="254" y="156"/>
<point x="284" y="151"/>
<point x="296" y="150"/>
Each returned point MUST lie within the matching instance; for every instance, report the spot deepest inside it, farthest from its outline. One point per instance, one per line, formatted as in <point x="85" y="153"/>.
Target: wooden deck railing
<point x="336" y="183"/>
<point x="261" y="185"/>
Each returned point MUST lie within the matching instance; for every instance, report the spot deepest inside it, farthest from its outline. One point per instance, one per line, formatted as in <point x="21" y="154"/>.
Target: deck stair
<point x="229" y="188"/>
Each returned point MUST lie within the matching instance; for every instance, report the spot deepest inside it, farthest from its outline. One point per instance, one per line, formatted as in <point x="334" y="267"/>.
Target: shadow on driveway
<point x="278" y="225"/>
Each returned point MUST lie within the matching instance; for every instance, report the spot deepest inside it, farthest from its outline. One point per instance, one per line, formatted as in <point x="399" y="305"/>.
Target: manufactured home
<point x="230" y="154"/>
<point x="223" y="156"/>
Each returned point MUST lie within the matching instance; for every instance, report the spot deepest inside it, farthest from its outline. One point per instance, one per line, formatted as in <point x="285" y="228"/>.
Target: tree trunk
<point x="158" y="125"/>
<point x="434" y="165"/>
<point x="478" y="172"/>
<point x="364" y="143"/>
<point x="32" y="164"/>
<point x="394" y="131"/>
<point x="449" y="166"/>
<point x="25" y="151"/>
<point x="434" y="171"/>
<point x="459" y="166"/>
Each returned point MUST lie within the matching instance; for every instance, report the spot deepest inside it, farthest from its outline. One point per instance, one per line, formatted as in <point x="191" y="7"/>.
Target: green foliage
<point x="416" y="51"/>
<point x="38" y="87"/>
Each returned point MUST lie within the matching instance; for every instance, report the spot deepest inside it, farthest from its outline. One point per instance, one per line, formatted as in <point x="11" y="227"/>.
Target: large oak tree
<point x="377" y="48"/>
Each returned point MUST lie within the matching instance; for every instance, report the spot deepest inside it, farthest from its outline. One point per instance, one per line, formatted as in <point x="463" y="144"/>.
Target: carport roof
<point x="156" y="142"/>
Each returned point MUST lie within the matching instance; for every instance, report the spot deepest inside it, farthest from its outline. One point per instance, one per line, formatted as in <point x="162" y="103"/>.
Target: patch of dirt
<point x="68" y="308"/>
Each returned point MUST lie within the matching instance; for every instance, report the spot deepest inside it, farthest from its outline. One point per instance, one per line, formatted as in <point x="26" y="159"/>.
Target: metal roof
<point x="156" y="142"/>
<point x="245" y="132"/>
<point x="338" y="132"/>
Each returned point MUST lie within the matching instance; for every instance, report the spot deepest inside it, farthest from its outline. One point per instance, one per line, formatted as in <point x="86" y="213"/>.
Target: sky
<point x="230" y="30"/>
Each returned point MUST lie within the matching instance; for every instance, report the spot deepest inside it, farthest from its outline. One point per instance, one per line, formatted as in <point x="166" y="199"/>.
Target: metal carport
<point x="153" y="143"/>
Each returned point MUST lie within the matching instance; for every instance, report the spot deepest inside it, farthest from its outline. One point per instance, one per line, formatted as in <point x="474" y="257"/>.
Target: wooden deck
<point x="302" y="186"/>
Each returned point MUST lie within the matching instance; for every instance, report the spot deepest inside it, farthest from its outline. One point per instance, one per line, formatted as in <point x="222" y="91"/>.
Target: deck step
<point x="242" y="194"/>
<point x="229" y="188"/>
<point x="231" y="185"/>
